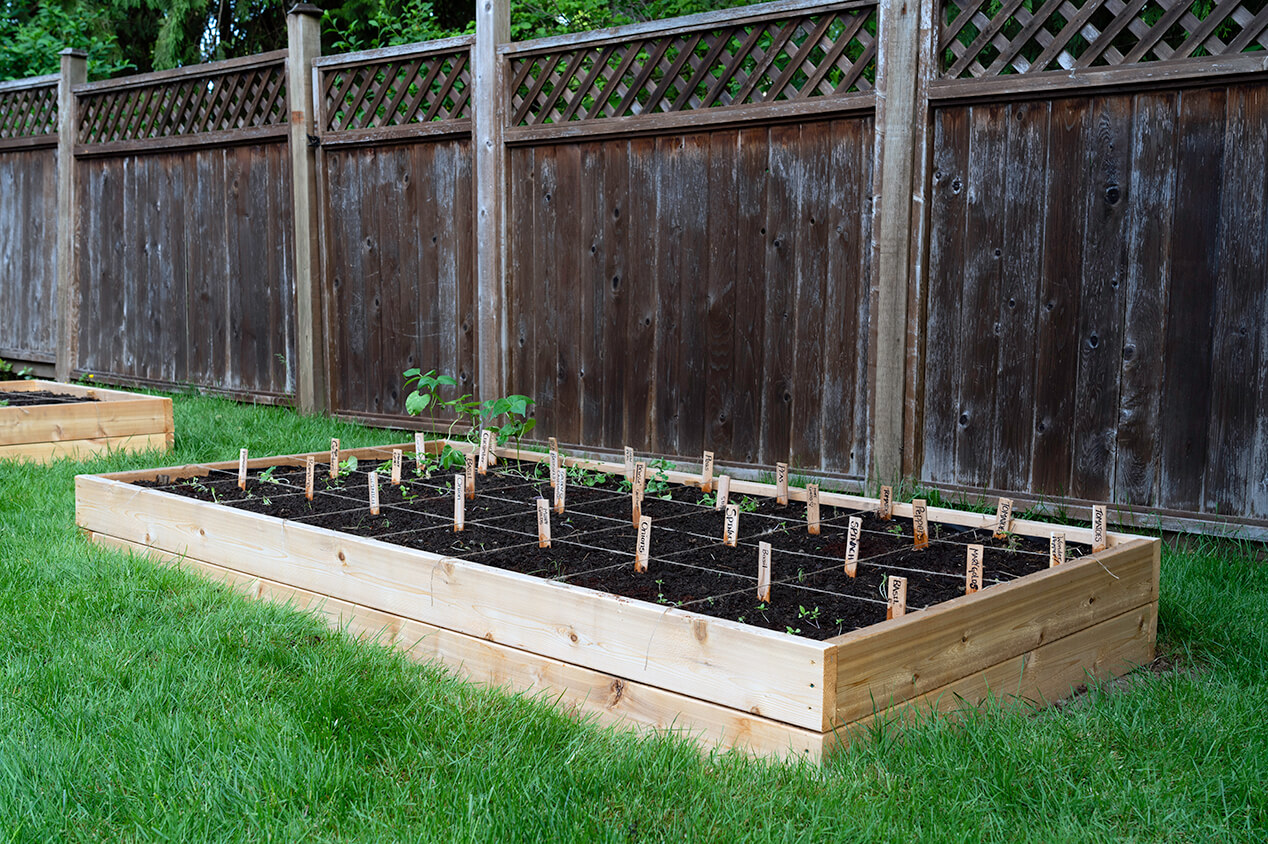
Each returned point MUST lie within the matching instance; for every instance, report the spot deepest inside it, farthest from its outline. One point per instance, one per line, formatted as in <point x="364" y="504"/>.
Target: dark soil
<point x="39" y="397"/>
<point x="592" y="543"/>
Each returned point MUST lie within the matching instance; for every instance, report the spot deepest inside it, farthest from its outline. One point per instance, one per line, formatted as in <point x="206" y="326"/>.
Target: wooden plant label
<point x="629" y="463"/>
<point x="469" y="468"/>
<point x="643" y="547"/>
<point x="397" y="456"/>
<point x="640" y="479"/>
<point x="242" y="469"/>
<point x="763" y="571"/>
<point x="334" y="457"/>
<point x="973" y="569"/>
<point x="310" y="469"/>
<point x="920" y="522"/>
<point x="1004" y="518"/>
<point x="561" y="488"/>
<point x="1056" y="549"/>
<point x="372" y="479"/>
<point x="731" y="525"/>
<point x="853" y="539"/>
<point x="781" y="483"/>
<point x="459" y="504"/>
<point x="812" y="508"/>
<point x="636" y="509"/>
<point x="554" y="460"/>
<point x="724" y="492"/>
<point x="486" y="437"/>
<point x="896" y="591"/>
<point x="543" y="523"/>
<point x="1099" y="539"/>
<point x="420" y="448"/>
<point x="885" y="511"/>
<point x="706" y="472"/>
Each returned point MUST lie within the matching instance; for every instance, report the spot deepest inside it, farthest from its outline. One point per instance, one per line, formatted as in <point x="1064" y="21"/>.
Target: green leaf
<point x="416" y="403"/>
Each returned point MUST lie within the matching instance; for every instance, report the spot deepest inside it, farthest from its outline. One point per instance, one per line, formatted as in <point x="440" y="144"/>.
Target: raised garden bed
<point x="43" y="420"/>
<point x="687" y="644"/>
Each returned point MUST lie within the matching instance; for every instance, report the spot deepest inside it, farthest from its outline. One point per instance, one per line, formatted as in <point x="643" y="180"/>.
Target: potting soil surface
<point x="39" y="397"/>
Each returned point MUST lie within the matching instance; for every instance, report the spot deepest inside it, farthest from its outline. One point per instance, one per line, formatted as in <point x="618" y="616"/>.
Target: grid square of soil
<point x="830" y="543"/>
<point x="762" y="506"/>
<point x="34" y="398"/>
<point x="294" y="505"/>
<point x="664" y="542"/>
<point x="794" y="609"/>
<point x="663" y="583"/>
<point x="621" y="507"/>
<point x="475" y="539"/>
<point x="563" y="526"/>
<point x="559" y="561"/>
<point x="390" y="520"/>
<point x="942" y="532"/>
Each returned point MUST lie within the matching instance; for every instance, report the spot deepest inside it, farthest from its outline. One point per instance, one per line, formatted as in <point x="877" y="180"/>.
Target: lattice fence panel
<point x="28" y="112"/>
<point x="400" y="92"/>
<point x="219" y="102"/>
<point x="797" y="58"/>
<point x="992" y="38"/>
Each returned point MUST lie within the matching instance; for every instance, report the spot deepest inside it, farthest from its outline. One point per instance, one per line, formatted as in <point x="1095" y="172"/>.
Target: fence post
<point x="303" y="38"/>
<point x="493" y="27"/>
<point x="900" y="169"/>
<point x="74" y="71"/>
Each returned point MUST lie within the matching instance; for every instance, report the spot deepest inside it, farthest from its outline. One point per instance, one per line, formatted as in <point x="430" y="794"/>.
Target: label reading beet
<point x="469" y="467"/>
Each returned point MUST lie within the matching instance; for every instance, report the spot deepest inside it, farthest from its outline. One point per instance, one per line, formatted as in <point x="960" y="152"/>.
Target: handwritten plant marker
<point x="242" y="469"/>
<point x="731" y="525"/>
<point x="469" y="467"/>
<point x="812" y="508"/>
<point x="781" y="483"/>
<point x="763" y="571"/>
<point x="1099" y="540"/>
<point x="640" y="479"/>
<point x="459" y="504"/>
<point x="561" y="488"/>
<point x="1056" y="549"/>
<point x="643" y="546"/>
<point x="629" y="463"/>
<point x="543" y="523"/>
<point x="396" y="466"/>
<point x="706" y="472"/>
<point x="1004" y="518"/>
<point x="973" y="569"/>
<point x="636" y="509"/>
<point x="372" y="480"/>
<point x="486" y="436"/>
<point x="896" y="593"/>
<point x="310" y="469"/>
<point x="554" y="460"/>
<point x="724" y="492"/>
<point x="920" y="522"/>
<point x="853" y="540"/>
<point x="885" y="511"/>
<point x="334" y="458"/>
<point x="420" y="449"/>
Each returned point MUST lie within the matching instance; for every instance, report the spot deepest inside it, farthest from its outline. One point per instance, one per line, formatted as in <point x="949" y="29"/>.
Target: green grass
<point x="142" y="703"/>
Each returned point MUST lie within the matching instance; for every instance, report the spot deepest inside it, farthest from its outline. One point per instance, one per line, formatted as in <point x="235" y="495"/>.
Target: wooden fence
<point x="994" y="247"/>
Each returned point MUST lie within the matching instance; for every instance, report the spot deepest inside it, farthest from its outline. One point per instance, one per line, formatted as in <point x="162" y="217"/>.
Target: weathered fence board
<point x="28" y="254"/>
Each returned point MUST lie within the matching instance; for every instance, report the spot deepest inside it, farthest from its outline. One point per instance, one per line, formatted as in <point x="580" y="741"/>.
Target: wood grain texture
<point x="28" y="254"/>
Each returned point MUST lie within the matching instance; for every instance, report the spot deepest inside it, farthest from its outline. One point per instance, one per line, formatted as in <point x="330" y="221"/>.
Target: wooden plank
<point x="899" y="660"/>
<point x="522" y="282"/>
<point x="493" y="27"/>
<point x="692" y="371"/>
<point x="616" y="290"/>
<point x="81" y="449"/>
<point x="718" y="318"/>
<point x="778" y="375"/>
<point x="545" y="290"/>
<point x="563" y="304"/>
<point x="947" y="256"/>
<point x="614" y="700"/>
<point x="979" y="309"/>
<point x="642" y="286"/>
<point x="811" y="335"/>
<point x="89" y="420"/>
<point x="1150" y="238"/>
<point x="1239" y="300"/>
<point x="764" y="673"/>
<point x="750" y="295"/>
<point x="463" y="236"/>
<point x="1048" y="673"/>
<point x="592" y="292"/>
<point x="1055" y="379"/>
<point x="1099" y="331"/>
<point x="671" y="198"/>
<point x="1196" y="267"/>
<point x="1020" y="270"/>
<point x="393" y="352"/>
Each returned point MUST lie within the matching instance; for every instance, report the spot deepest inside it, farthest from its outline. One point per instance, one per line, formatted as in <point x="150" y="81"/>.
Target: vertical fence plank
<point x="750" y="293"/>
<point x="545" y="290"/>
<point x="672" y="198"/>
<point x="781" y="237"/>
<point x="691" y="372"/>
<point x="642" y="288"/>
<point x="564" y="304"/>
<point x="720" y="296"/>
<point x="493" y="26"/>
<point x="616" y="291"/>
<point x="591" y="219"/>
<point x="74" y="70"/>
<point x="523" y="188"/>
<point x="812" y="217"/>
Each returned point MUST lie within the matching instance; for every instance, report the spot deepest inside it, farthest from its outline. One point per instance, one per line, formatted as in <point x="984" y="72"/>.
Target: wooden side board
<point x="115" y="421"/>
<point x="610" y="698"/>
<point x="757" y="671"/>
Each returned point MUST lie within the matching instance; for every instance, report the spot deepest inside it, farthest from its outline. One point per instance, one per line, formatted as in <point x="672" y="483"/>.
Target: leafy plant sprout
<point x="748" y="504"/>
<point x="424" y="397"/>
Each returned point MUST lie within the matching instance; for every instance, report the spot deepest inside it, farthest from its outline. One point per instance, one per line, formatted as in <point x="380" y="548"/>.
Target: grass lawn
<point x="142" y="703"/>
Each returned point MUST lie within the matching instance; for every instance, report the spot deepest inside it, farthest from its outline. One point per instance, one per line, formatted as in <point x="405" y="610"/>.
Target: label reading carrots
<point x="561" y="488"/>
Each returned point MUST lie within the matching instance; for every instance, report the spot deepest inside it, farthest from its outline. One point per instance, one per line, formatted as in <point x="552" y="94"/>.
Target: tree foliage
<point x="123" y="36"/>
